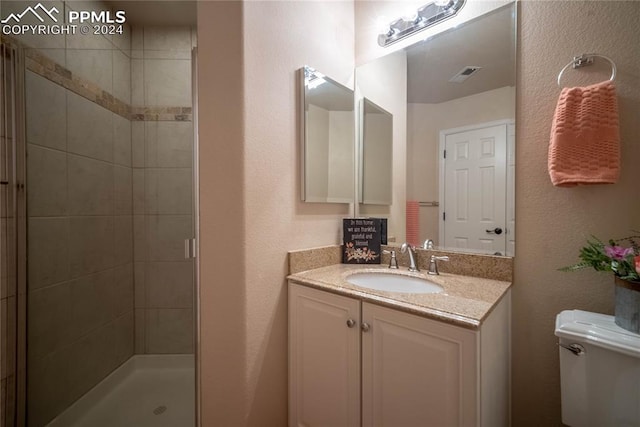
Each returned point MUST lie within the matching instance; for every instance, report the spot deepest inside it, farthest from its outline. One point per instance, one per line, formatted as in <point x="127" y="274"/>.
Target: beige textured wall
<point x="552" y="223"/>
<point x="249" y="192"/>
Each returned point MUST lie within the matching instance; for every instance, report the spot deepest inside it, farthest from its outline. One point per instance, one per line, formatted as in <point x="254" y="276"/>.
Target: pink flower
<point x="637" y="261"/>
<point x="617" y="252"/>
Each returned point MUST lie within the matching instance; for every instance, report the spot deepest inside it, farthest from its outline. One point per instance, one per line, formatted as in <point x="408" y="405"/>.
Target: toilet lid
<point x="597" y="329"/>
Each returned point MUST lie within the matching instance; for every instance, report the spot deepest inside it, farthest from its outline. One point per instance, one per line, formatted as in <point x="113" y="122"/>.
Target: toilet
<point x="599" y="371"/>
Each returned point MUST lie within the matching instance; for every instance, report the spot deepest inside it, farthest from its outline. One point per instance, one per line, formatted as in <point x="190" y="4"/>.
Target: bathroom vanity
<point x="359" y="356"/>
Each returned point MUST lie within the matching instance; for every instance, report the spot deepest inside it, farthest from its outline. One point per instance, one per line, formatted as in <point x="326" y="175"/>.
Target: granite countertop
<point x="466" y="301"/>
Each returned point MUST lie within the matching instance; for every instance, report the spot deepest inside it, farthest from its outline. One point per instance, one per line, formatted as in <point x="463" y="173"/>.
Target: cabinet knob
<point x="351" y="323"/>
<point x="365" y="327"/>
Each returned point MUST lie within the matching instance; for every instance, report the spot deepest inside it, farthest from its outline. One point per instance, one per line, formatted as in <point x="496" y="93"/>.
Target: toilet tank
<point x="600" y="372"/>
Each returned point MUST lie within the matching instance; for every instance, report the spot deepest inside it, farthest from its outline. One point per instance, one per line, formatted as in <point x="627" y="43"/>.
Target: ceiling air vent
<point x="464" y="74"/>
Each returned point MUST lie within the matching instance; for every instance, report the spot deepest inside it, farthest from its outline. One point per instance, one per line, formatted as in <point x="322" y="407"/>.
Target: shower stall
<point x="99" y="300"/>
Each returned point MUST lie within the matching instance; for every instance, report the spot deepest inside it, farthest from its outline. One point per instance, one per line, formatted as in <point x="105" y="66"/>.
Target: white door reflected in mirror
<point x="474" y="178"/>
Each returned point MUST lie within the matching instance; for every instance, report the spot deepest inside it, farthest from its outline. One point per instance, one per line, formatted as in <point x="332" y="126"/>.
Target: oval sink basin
<point x="394" y="283"/>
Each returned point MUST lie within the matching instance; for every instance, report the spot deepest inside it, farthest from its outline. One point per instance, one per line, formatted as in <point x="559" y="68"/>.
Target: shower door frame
<point x="12" y="61"/>
<point x="196" y="231"/>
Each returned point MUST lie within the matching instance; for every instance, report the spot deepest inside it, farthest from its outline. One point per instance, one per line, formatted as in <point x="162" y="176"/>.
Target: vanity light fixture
<point x="425" y="17"/>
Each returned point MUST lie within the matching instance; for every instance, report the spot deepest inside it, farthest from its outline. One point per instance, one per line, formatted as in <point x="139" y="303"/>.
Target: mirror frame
<point x="304" y="72"/>
<point x="416" y="40"/>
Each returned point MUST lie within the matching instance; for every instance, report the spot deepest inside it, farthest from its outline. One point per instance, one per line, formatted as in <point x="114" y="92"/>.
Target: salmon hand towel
<point x="585" y="138"/>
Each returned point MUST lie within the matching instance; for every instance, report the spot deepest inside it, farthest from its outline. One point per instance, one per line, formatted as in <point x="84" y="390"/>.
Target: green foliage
<point x="593" y="256"/>
<point x="621" y="256"/>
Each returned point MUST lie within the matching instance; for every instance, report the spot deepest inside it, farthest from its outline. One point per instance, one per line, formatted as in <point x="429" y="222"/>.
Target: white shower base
<point x="146" y="391"/>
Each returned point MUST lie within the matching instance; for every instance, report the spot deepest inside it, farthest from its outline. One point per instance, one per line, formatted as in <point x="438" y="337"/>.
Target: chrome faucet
<point x="412" y="256"/>
<point x="428" y="244"/>
<point x="433" y="264"/>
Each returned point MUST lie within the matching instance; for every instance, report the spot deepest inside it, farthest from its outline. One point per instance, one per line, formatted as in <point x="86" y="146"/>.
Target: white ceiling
<point x="488" y="42"/>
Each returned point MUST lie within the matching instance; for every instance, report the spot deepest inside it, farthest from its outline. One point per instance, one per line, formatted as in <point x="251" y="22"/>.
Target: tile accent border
<point x="50" y="70"/>
<point x="155" y="114"/>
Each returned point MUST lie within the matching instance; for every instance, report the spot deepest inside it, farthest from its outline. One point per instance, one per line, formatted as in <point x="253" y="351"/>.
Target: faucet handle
<point x="393" y="261"/>
<point x="428" y="244"/>
<point x="433" y="264"/>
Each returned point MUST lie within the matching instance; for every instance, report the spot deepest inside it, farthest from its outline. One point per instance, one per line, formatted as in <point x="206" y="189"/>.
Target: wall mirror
<point x="458" y="102"/>
<point x="376" y="154"/>
<point x="327" y="140"/>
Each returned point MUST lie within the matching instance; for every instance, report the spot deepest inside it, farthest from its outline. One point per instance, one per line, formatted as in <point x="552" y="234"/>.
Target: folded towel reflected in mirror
<point x="413" y="222"/>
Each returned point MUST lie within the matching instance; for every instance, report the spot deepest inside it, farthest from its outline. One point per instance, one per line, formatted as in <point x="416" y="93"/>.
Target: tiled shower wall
<point x="80" y="248"/>
<point x="162" y="188"/>
<point x="80" y="221"/>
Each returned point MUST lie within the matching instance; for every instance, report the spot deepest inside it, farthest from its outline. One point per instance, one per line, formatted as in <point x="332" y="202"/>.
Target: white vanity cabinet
<point x="353" y="363"/>
<point x="324" y="358"/>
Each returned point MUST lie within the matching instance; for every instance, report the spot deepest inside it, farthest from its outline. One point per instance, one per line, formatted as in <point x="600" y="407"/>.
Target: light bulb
<point x="382" y="24"/>
<point x="410" y="15"/>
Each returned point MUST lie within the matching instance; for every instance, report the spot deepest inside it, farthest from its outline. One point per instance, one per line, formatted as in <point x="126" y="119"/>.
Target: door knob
<point x="365" y="327"/>
<point x="351" y="323"/>
<point x="496" y="230"/>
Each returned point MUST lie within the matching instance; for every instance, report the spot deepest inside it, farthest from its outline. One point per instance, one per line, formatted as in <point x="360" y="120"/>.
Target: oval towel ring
<point x="587" y="59"/>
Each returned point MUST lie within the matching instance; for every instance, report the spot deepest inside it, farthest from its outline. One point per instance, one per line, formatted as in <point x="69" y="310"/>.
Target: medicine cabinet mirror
<point x="328" y="135"/>
<point x="456" y="92"/>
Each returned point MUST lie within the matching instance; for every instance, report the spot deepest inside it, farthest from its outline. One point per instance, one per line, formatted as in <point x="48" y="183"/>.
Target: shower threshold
<point x="145" y="391"/>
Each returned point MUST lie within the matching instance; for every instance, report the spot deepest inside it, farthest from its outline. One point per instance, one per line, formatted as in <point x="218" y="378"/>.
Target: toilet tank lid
<point x="597" y="329"/>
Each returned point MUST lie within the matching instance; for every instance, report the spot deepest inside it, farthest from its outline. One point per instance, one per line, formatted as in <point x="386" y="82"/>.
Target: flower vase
<point x="627" y="309"/>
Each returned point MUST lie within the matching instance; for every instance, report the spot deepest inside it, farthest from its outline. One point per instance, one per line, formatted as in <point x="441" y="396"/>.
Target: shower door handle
<point x="7" y="108"/>
<point x="189" y="248"/>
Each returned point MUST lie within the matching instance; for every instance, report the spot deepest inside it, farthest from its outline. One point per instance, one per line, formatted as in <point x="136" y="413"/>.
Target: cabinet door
<point x="324" y="359"/>
<point x="416" y="371"/>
